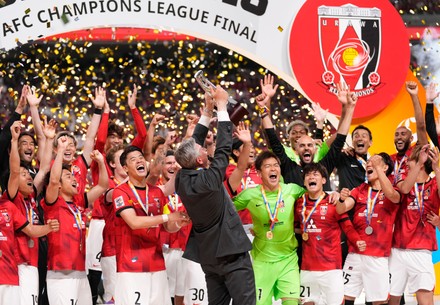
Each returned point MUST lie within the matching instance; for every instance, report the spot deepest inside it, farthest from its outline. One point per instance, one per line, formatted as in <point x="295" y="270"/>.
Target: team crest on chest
<point x="323" y="209"/>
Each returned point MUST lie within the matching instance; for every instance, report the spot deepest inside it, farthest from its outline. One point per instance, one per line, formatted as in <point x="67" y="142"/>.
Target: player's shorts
<point x="68" y="287"/>
<point x="28" y="277"/>
<point x="326" y="284"/>
<point x="279" y="280"/>
<point x="108" y="265"/>
<point x="195" y="284"/>
<point x="175" y="271"/>
<point x="367" y="272"/>
<point x="146" y="288"/>
<point x="412" y="267"/>
<point x="94" y="244"/>
<point x="9" y="294"/>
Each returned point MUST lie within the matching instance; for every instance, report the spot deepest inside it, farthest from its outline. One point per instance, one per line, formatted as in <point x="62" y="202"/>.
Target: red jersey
<point x="108" y="233"/>
<point x="322" y="250"/>
<point x="11" y="221"/>
<point x="180" y="238"/>
<point x="67" y="247"/>
<point x="250" y="180"/>
<point x="412" y="231"/>
<point x="400" y="166"/>
<point x="138" y="250"/>
<point x="27" y="247"/>
<point x="381" y="215"/>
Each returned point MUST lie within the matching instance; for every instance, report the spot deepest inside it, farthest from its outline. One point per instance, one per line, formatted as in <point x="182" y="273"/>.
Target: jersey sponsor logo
<point x="412" y="205"/>
<point x="2" y="237"/>
<point x="311" y="227"/>
<point x="119" y="202"/>
<point x="6" y="216"/>
<point x="323" y="209"/>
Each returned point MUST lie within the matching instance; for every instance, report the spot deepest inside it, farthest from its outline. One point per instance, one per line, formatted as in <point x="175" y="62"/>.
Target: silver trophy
<point x="235" y="110"/>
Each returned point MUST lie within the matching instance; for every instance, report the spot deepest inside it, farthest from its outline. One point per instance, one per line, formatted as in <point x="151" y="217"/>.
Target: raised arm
<point x="102" y="185"/>
<point x="431" y="95"/>
<point x="34" y="102"/>
<point x="92" y="130"/>
<point x="141" y="130"/>
<point x="101" y="137"/>
<point x="413" y="90"/>
<point x="148" y="148"/>
<point x="385" y="183"/>
<point x="52" y="191"/>
<point x="244" y="135"/>
<point x="14" y="161"/>
<point x="49" y="130"/>
<point x="407" y="184"/>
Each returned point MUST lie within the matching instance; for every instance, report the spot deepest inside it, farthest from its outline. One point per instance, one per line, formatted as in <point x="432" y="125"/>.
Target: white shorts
<point x="146" y="288"/>
<point x="195" y="284"/>
<point x="94" y="244"/>
<point x="108" y="265"/>
<point x="328" y="285"/>
<point x="28" y="277"/>
<point x="412" y="267"/>
<point x="67" y="288"/>
<point x="368" y="272"/>
<point x="9" y="294"/>
<point x="176" y="271"/>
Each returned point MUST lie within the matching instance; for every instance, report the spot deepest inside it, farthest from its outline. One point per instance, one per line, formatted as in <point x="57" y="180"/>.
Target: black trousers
<point x="231" y="278"/>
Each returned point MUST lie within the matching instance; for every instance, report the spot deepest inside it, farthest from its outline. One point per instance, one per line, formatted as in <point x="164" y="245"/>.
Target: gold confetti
<point x="280" y="28"/>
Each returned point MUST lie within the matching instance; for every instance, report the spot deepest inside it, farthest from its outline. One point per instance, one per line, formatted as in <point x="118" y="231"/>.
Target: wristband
<point x="264" y="115"/>
<point x="341" y="201"/>
<point x="165" y="218"/>
<point x="97" y="111"/>
<point x="263" y="110"/>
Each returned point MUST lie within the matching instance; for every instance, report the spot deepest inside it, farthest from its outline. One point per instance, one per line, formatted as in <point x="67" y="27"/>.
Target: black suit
<point x="217" y="240"/>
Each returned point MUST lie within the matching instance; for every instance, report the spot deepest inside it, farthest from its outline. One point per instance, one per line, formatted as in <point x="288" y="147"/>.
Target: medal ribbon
<point x="173" y="202"/>
<point x="138" y="198"/>
<point x="78" y="220"/>
<point x="306" y="218"/>
<point x="419" y="198"/>
<point x="245" y="180"/>
<point x="272" y="215"/>
<point x="29" y="209"/>
<point x="371" y="203"/>
<point x="363" y="163"/>
<point x="397" y="166"/>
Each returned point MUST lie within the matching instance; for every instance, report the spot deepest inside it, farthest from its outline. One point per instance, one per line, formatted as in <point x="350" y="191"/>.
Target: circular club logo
<point x="362" y="43"/>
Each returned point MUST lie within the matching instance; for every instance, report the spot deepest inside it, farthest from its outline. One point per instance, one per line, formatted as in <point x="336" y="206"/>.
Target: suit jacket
<point x="217" y="230"/>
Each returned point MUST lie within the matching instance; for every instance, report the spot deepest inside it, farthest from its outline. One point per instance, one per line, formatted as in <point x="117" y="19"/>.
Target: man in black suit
<point x="217" y="240"/>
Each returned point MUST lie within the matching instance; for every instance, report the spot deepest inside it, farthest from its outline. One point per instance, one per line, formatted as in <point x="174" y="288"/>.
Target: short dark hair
<point x="364" y="128"/>
<point x="315" y="167"/>
<point x="388" y="161"/>
<point x="157" y="140"/>
<point x="114" y="128"/>
<point x="63" y="167"/>
<point x="27" y="133"/>
<point x="267" y="154"/>
<point x="169" y="152"/>
<point x="236" y="144"/>
<point x="61" y="134"/>
<point x="110" y="155"/>
<point x="127" y="150"/>
<point x="415" y="154"/>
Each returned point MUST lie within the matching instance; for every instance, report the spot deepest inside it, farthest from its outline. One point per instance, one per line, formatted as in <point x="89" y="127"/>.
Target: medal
<point x="369" y="230"/>
<point x="31" y="243"/>
<point x="269" y="235"/>
<point x="305" y="236"/>
<point x="420" y="200"/>
<point x="371" y="203"/>
<point x="273" y="215"/>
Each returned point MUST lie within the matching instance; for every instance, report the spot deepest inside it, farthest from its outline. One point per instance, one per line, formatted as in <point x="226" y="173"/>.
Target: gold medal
<point x="269" y="234"/>
<point x="31" y="243"/>
<point x="305" y="236"/>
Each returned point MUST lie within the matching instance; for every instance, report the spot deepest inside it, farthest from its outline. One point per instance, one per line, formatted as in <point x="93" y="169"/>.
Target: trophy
<point x="235" y="109"/>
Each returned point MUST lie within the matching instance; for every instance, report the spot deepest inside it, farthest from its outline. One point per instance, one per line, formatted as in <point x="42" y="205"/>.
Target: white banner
<point x="258" y="29"/>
